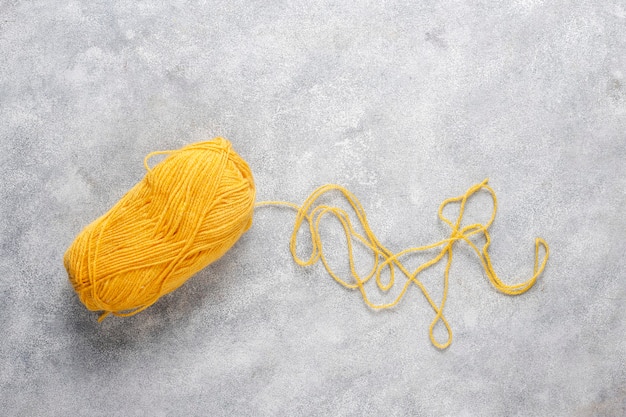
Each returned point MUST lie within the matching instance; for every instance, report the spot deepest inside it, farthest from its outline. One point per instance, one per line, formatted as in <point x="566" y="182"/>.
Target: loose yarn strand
<point x="312" y="212"/>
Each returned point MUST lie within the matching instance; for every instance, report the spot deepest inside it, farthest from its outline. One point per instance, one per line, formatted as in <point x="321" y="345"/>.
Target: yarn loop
<point x="311" y="212"/>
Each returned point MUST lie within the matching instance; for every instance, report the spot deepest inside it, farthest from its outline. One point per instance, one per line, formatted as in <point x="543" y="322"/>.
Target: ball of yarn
<point x="186" y="213"/>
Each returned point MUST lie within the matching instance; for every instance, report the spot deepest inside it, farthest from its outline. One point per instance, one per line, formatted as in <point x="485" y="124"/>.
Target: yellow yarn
<point x="186" y="212"/>
<point x="193" y="206"/>
<point x="313" y="213"/>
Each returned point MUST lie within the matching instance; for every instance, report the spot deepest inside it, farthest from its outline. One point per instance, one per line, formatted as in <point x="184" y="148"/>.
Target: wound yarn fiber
<point x="186" y="212"/>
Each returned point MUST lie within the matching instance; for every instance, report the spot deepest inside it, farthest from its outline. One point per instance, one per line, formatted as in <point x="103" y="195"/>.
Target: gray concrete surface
<point x="406" y="104"/>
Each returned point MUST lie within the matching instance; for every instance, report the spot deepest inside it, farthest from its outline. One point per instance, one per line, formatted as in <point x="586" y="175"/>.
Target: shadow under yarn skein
<point x="186" y="213"/>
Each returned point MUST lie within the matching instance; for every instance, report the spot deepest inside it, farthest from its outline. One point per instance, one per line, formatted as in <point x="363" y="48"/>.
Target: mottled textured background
<point x="404" y="103"/>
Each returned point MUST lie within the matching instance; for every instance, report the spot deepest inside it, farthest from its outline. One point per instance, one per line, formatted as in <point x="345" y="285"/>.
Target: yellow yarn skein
<point x="192" y="207"/>
<point x="186" y="213"/>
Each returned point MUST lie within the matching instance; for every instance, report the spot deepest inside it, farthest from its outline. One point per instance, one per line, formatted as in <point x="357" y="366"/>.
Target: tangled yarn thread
<point x="194" y="205"/>
<point x="312" y="214"/>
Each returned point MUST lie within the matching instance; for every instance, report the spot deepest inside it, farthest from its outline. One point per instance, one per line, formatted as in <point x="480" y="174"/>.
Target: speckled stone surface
<point x="404" y="103"/>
